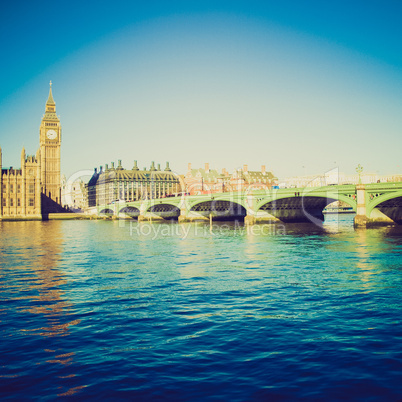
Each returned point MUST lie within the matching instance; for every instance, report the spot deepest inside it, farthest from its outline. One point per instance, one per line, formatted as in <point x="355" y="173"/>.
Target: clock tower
<point x="50" y="141"/>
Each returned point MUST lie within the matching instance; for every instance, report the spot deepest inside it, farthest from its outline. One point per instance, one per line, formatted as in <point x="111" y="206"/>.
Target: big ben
<point x="50" y="142"/>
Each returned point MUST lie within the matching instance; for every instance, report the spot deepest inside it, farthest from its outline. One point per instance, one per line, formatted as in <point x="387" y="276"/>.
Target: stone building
<point x="116" y="183"/>
<point x="206" y="180"/>
<point x="244" y="179"/>
<point x="34" y="189"/>
<point x="21" y="188"/>
<point x="73" y="194"/>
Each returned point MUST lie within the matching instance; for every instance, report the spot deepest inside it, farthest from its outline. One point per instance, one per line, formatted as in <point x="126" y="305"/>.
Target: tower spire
<point x="50" y="110"/>
<point x="50" y="141"/>
<point x="50" y="100"/>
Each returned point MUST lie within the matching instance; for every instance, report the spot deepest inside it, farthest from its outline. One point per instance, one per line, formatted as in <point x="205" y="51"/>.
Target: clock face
<point x="51" y="134"/>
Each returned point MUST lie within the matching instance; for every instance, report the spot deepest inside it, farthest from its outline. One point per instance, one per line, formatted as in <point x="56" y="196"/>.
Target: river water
<point x="137" y="311"/>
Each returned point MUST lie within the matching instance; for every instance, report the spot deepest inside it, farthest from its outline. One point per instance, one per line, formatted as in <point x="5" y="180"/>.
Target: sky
<point x="299" y="86"/>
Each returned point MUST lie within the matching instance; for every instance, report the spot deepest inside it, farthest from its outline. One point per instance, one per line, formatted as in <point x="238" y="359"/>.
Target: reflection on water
<point x="32" y="251"/>
<point x="138" y="310"/>
<point x="366" y="267"/>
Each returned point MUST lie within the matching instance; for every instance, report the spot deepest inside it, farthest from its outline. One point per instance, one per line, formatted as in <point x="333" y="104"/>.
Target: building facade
<point x="334" y="177"/>
<point x="206" y="180"/>
<point x="73" y="194"/>
<point x="34" y="189"/>
<point x="116" y="183"/>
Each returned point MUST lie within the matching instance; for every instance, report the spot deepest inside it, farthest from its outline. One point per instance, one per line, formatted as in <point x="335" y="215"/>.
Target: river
<point x="118" y="310"/>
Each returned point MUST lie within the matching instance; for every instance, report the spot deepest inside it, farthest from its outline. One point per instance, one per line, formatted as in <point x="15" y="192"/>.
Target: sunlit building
<point x="116" y="183"/>
<point x="245" y="179"/>
<point x="73" y="194"/>
<point x="34" y="189"/>
<point x="206" y="180"/>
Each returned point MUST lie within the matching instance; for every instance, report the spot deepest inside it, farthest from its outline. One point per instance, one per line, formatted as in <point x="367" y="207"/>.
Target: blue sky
<point x="299" y="86"/>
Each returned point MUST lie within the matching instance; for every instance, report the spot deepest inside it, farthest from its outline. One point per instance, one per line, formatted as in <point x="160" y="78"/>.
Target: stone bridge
<point x="379" y="203"/>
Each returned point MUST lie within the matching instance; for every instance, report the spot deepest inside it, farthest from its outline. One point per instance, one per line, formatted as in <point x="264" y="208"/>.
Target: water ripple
<point x="98" y="313"/>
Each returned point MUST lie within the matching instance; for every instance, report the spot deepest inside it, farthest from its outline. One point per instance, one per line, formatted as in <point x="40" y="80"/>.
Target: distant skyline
<point x="301" y="87"/>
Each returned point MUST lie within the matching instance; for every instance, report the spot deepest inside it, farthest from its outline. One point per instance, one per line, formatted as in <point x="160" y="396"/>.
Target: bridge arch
<point x="351" y="201"/>
<point x="107" y="211"/>
<point x="165" y="210"/>
<point x="390" y="204"/>
<point x="131" y="211"/>
<point x="193" y="201"/>
<point x="301" y="207"/>
<point x="221" y="209"/>
<point x="331" y="197"/>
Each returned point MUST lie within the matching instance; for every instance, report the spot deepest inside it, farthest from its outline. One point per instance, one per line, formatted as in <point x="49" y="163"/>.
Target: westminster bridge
<point x="379" y="203"/>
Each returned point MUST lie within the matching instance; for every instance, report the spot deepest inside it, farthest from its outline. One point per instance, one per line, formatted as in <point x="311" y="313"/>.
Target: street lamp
<point x="359" y="170"/>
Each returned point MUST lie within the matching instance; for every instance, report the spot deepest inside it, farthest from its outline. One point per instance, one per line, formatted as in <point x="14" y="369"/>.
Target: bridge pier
<point x="183" y="213"/>
<point x="186" y="217"/>
<point x="253" y="218"/>
<point x="250" y="219"/>
<point x="361" y="211"/>
<point x="143" y="208"/>
<point x="183" y="219"/>
<point x="376" y="218"/>
<point x="360" y="221"/>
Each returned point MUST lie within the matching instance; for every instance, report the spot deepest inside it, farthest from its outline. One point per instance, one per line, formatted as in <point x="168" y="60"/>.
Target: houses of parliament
<point x="34" y="190"/>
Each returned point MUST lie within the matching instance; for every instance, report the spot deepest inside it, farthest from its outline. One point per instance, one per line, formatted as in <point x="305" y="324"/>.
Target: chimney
<point x="245" y="168"/>
<point x="106" y="167"/>
<point x="119" y="166"/>
<point x="207" y="167"/>
<point x="112" y="165"/>
<point x="152" y="169"/>
<point x="167" y="168"/>
<point x="100" y="169"/>
<point x="95" y="170"/>
<point x="135" y="167"/>
<point x="159" y="167"/>
<point x="263" y="169"/>
<point x="189" y="167"/>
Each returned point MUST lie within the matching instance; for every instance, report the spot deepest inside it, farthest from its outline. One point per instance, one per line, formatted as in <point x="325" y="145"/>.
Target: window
<point x="11" y="202"/>
<point x="31" y="189"/>
<point x="31" y="202"/>
<point x="4" y="202"/>
<point x="18" y="202"/>
<point x="18" y="188"/>
<point x="11" y="188"/>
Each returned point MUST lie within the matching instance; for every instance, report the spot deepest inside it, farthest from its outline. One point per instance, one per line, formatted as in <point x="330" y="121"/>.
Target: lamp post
<point x="359" y="170"/>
